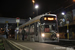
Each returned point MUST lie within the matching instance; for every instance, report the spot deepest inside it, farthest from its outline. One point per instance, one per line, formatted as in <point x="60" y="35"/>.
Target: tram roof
<point x="35" y="18"/>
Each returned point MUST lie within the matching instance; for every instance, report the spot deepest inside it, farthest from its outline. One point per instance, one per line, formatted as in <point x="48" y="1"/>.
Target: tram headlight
<point x="43" y="35"/>
<point x="57" y="35"/>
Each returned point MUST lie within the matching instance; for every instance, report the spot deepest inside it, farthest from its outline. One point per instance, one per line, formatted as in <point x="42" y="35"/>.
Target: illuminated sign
<point x="49" y="18"/>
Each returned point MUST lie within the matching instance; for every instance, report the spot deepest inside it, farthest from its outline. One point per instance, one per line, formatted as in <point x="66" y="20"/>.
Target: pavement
<point x="27" y="45"/>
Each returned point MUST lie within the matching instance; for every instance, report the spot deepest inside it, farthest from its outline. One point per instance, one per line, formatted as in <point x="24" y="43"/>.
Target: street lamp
<point x="63" y="13"/>
<point x="33" y="1"/>
<point x="36" y="7"/>
<point x="73" y="0"/>
<point x="67" y="22"/>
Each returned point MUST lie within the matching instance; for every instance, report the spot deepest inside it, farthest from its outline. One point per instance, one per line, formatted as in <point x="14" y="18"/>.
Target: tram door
<point x="37" y="32"/>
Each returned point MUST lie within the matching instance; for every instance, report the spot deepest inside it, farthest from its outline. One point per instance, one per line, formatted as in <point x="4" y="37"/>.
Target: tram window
<point x="42" y="28"/>
<point x="53" y="27"/>
<point x="32" y="28"/>
<point x="46" y="26"/>
<point x="35" y="29"/>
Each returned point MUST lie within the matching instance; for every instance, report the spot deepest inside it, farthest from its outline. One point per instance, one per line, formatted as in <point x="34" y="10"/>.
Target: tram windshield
<point x="49" y="28"/>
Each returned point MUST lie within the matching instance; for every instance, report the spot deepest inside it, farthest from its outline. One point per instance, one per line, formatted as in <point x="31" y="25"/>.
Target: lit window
<point x="50" y="18"/>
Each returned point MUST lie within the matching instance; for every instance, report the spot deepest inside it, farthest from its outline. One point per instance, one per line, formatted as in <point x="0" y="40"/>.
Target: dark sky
<point x="24" y="8"/>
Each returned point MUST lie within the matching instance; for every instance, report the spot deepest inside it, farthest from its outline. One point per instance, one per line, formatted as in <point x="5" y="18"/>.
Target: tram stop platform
<point x="27" y="45"/>
<point x="67" y="41"/>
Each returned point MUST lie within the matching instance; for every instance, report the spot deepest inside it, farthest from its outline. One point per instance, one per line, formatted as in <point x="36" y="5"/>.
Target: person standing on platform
<point x="20" y="30"/>
<point x="6" y="34"/>
<point x="23" y="34"/>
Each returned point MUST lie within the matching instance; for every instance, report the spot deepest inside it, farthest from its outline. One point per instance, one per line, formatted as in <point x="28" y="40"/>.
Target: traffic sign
<point x="17" y="19"/>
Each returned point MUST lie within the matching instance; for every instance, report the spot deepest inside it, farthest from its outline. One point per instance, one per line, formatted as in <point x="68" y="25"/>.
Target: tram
<point x="42" y="28"/>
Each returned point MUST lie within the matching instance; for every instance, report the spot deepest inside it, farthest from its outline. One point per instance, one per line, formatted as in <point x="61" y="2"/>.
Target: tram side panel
<point x="36" y="32"/>
<point x="32" y="32"/>
<point x="27" y="33"/>
<point x="46" y="33"/>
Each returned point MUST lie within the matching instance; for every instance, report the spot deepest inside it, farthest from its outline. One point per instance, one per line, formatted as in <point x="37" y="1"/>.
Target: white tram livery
<point x="42" y="28"/>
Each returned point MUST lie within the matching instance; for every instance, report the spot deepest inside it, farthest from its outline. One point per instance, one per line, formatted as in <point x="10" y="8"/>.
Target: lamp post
<point x="73" y="0"/>
<point x="67" y="28"/>
<point x="67" y="22"/>
<point x="33" y="1"/>
<point x="17" y="21"/>
<point x="36" y="7"/>
<point x="63" y="13"/>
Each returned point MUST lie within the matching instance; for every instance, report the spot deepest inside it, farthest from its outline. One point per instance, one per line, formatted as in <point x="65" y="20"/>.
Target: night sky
<point x="24" y="8"/>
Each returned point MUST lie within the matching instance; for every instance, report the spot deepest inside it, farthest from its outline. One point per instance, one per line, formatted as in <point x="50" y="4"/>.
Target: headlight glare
<point x="57" y="35"/>
<point x="43" y="35"/>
